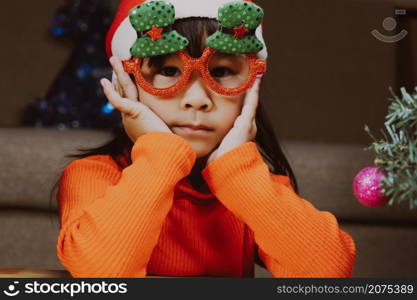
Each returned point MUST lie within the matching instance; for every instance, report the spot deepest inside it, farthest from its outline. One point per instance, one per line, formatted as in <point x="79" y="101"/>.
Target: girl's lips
<point x="192" y="132"/>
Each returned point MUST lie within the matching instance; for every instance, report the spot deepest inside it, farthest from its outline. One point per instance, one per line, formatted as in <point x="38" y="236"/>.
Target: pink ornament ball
<point x="367" y="187"/>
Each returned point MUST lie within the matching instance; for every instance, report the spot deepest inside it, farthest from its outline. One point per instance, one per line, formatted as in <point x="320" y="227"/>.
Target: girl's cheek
<point x="235" y="109"/>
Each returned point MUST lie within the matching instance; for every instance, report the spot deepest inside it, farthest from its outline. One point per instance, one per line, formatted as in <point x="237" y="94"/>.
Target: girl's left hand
<point x="244" y="128"/>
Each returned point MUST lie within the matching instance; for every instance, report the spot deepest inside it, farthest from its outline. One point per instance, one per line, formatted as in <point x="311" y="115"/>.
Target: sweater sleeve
<point x="294" y="238"/>
<point x="111" y="219"/>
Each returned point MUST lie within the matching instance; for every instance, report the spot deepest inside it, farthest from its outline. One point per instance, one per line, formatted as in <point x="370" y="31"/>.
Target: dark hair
<point x="196" y="29"/>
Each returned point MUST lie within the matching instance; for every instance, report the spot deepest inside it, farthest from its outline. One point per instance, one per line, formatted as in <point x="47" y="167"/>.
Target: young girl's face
<point x="196" y="105"/>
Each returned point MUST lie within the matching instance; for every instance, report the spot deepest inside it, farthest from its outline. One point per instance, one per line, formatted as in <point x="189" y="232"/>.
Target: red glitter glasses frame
<point x="256" y="67"/>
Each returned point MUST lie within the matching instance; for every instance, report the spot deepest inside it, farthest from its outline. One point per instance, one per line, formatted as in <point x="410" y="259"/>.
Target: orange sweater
<point x="147" y="219"/>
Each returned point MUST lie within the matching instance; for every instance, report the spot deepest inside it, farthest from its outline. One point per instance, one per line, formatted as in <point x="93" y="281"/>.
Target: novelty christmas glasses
<point x="227" y="74"/>
<point x="228" y="65"/>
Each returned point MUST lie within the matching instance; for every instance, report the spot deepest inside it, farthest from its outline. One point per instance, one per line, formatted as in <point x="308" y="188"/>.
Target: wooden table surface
<point x="38" y="273"/>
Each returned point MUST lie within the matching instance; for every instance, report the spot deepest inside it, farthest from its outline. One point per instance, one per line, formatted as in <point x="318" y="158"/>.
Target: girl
<point x="195" y="183"/>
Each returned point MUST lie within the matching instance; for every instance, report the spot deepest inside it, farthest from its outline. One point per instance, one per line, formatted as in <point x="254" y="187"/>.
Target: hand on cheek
<point x="244" y="127"/>
<point x="137" y="118"/>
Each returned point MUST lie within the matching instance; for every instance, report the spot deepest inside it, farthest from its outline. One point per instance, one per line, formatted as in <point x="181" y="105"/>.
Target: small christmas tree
<point x="396" y="157"/>
<point x="75" y="98"/>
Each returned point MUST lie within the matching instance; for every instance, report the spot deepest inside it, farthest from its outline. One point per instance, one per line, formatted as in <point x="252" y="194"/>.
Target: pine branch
<point x="396" y="155"/>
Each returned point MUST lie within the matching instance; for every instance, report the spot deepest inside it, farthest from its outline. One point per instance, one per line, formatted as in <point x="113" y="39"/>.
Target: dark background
<point x="327" y="76"/>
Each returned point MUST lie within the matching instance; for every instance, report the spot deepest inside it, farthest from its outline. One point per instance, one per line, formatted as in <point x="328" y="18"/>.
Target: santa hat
<point x="121" y="35"/>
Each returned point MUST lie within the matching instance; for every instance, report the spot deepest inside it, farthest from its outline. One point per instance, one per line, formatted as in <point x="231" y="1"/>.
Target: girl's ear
<point x="238" y="22"/>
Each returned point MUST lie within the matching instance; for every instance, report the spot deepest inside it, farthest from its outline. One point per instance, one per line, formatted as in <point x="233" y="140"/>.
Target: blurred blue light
<point x="84" y="71"/>
<point x="107" y="108"/>
<point x="58" y="31"/>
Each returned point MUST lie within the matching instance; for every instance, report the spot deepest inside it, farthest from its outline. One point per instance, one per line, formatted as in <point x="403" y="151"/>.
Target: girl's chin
<point x="203" y="152"/>
<point x="201" y="148"/>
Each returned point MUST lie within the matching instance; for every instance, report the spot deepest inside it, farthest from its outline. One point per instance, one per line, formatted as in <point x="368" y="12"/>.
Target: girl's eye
<point x="221" y="72"/>
<point x="170" y="71"/>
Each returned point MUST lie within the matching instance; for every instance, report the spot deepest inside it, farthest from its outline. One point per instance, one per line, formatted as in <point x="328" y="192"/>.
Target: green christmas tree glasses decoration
<point x="238" y="21"/>
<point x="153" y="22"/>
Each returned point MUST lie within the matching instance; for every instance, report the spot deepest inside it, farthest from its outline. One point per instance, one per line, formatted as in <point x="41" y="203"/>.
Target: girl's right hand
<point x="137" y="117"/>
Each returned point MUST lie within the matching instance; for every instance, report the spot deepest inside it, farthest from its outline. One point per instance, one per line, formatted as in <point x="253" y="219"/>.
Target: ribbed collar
<point x="185" y="186"/>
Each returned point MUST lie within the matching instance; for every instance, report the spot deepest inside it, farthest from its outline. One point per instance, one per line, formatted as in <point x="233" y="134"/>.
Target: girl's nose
<point x="196" y="94"/>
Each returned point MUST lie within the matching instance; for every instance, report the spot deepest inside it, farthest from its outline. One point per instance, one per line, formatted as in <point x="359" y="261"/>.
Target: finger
<point x="251" y="101"/>
<point x="239" y="121"/>
<point x="117" y="86"/>
<point x="212" y="156"/>
<point x="123" y="105"/>
<point x="254" y="128"/>
<point x="126" y="83"/>
<point x="125" y="86"/>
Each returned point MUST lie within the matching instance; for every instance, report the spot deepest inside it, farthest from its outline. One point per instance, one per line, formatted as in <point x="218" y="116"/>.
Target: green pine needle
<point x="396" y="155"/>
